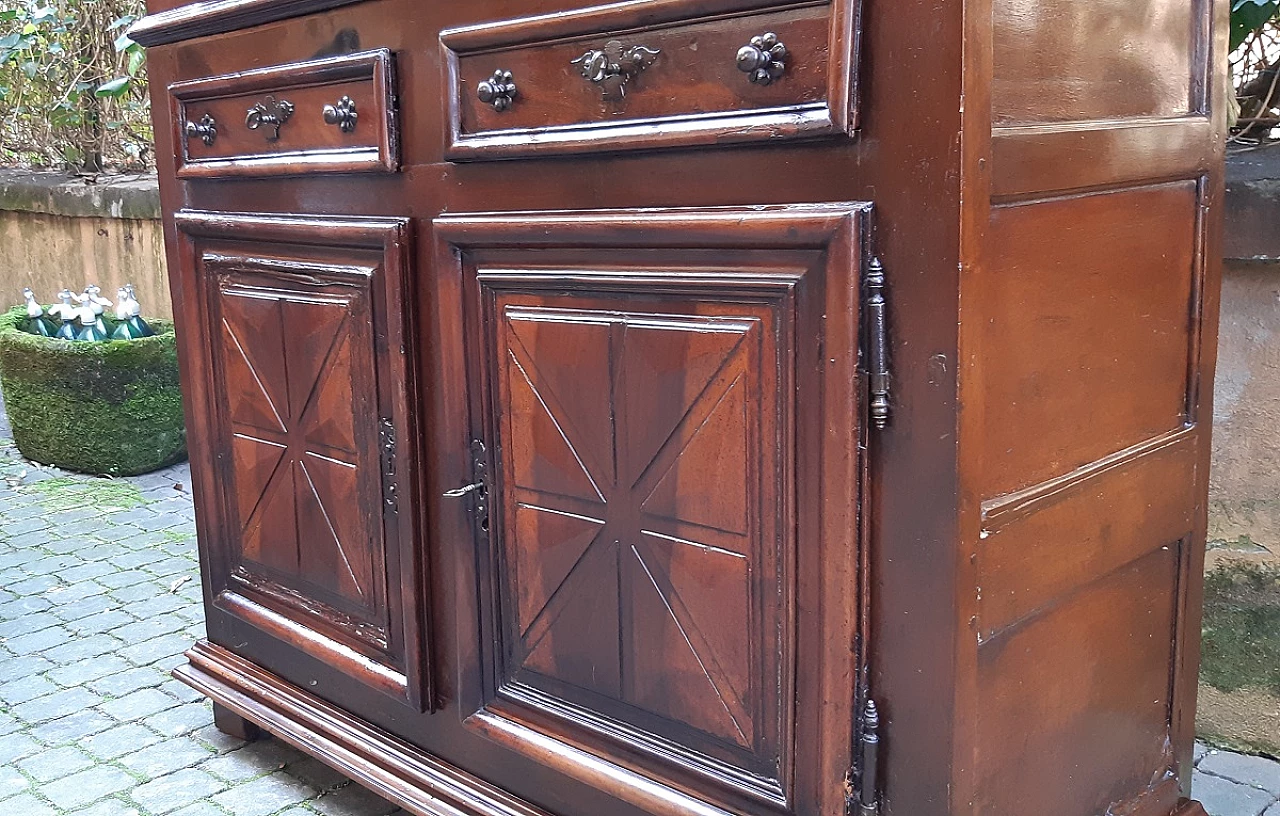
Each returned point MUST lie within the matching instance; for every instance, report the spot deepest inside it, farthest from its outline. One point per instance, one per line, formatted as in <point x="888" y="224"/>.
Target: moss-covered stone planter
<point x="110" y="408"/>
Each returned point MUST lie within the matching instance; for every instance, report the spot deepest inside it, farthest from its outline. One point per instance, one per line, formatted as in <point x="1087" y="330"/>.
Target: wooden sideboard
<point x="701" y="407"/>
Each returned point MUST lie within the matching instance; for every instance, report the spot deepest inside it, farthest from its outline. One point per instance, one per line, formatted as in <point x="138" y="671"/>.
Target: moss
<point x="62" y="494"/>
<point x="1241" y="646"/>
<point x="112" y="408"/>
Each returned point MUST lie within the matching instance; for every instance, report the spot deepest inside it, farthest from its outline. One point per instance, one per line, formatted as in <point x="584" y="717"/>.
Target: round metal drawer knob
<point x="498" y="90"/>
<point x="343" y="115"/>
<point x="763" y="59"/>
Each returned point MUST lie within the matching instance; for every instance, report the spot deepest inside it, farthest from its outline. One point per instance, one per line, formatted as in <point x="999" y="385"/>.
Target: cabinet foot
<point x="233" y="725"/>
<point x="1190" y="808"/>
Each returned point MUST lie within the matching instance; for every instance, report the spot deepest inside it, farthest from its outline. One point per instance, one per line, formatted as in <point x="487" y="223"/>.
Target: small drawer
<point x="654" y="74"/>
<point x="333" y="115"/>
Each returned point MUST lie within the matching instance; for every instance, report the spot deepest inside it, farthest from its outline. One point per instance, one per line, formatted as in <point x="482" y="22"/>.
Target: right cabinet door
<point x="665" y="415"/>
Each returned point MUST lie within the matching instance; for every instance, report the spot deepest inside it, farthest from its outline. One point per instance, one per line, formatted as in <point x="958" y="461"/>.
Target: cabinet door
<point x="302" y="355"/>
<point x="665" y="408"/>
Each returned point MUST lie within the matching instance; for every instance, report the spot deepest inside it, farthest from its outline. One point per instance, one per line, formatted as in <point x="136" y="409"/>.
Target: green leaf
<point x="1247" y="16"/>
<point x="114" y="88"/>
<point x="122" y="43"/>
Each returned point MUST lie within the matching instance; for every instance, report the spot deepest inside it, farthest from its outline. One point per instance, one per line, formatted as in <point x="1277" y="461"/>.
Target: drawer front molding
<point x="638" y="75"/>
<point x="334" y="115"/>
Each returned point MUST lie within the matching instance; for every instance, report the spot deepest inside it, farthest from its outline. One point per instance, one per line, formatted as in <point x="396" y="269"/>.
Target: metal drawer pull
<point x="498" y="90"/>
<point x="269" y="114"/>
<point x="614" y="65"/>
<point x="763" y="59"/>
<point x="343" y="114"/>
<point x="206" y="130"/>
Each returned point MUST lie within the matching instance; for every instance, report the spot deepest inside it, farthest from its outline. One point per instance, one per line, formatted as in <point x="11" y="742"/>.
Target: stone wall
<point x="61" y="232"/>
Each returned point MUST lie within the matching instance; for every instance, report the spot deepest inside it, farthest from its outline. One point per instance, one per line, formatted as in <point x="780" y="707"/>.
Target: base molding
<point x="414" y="779"/>
<point x="392" y="768"/>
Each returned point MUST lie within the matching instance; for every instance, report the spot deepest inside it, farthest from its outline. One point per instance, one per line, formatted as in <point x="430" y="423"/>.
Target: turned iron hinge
<point x="877" y="344"/>
<point x="387" y="448"/>
<point x="862" y="783"/>
<point x="479" y="487"/>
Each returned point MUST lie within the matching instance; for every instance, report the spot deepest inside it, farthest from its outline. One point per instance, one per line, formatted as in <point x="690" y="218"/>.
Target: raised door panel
<point x="664" y="606"/>
<point x="308" y="412"/>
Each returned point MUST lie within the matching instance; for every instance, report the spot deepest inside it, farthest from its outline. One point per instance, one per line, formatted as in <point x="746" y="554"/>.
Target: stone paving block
<point x="138" y="704"/>
<point x="15" y="746"/>
<point x="166" y="757"/>
<point x="123" y="578"/>
<point x="41" y="641"/>
<point x="316" y="774"/>
<point x="78" y="790"/>
<point x="1222" y="797"/>
<point x="137" y="593"/>
<point x="12" y="668"/>
<point x="253" y="760"/>
<point x="161" y="603"/>
<point x="1274" y="810"/>
<point x="1201" y="751"/>
<point x="264" y="795"/>
<point x="209" y="809"/>
<point x="181" y="719"/>
<point x="118" y="685"/>
<point x="1249" y="770"/>
<point x="80" y="648"/>
<point x="53" y="706"/>
<point x="353" y="800"/>
<point x="139" y="630"/>
<point x="176" y="790"/>
<point x="117" y="532"/>
<point x="216" y="740"/>
<point x="11" y="782"/>
<point x="93" y="605"/>
<point x="74" y="727"/>
<point x="27" y="805"/>
<point x="26" y="688"/>
<point x="25" y="605"/>
<point x="8" y="724"/>
<point x="85" y="571"/>
<point x="91" y="668"/>
<point x="28" y="624"/>
<point x="55" y="763"/>
<point x="121" y="740"/>
<point x="180" y="691"/>
<point x="111" y="807"/>
<point x="138" y="558"/>
<point x="149" y="651"/>
<point x="106" y="621"/>
<point x="17" y="526"/>
<point x="68" y="593"/>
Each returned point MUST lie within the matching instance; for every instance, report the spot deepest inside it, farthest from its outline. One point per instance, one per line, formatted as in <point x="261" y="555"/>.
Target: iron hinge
<point x="862" y="782"/>
<point x="877" y="344"/>
<point x="387" y="449"/>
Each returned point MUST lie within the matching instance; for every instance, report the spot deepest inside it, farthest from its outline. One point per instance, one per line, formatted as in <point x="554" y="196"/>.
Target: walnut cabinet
<point x="701" y="407"/>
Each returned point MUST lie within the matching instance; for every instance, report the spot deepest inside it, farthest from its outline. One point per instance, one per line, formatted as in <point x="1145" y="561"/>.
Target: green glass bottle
<point x="67" y="314"/>
<point x="37" y="322"/>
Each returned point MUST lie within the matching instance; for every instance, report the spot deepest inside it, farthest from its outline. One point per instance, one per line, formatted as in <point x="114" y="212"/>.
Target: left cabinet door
<point x="299" y="347"/>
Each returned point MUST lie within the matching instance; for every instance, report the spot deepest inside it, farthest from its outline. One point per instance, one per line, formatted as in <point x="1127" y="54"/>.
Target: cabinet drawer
<point x="335" y="115"/>
<point x="638" y="75"/>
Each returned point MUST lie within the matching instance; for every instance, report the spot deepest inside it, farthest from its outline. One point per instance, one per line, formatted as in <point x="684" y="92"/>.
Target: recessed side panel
<point x="1069" y="61"/>
<point x="1074" y="702"/>
<point x="1089" y="331"/>
<point x="672" y="73"/>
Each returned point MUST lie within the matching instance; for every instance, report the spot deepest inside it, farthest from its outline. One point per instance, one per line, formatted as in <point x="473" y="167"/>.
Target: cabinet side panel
<point x="1090" y="310"/>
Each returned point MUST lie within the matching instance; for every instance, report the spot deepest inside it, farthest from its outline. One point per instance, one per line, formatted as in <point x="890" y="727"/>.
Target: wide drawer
<point x="334" y="115"/>
<point x="637" y="75"/>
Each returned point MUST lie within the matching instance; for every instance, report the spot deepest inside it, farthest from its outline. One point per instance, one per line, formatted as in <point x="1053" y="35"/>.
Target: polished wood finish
<point x="224" y="142"/>
<point x="693" y="92"/>
<point x="655" y="548"/>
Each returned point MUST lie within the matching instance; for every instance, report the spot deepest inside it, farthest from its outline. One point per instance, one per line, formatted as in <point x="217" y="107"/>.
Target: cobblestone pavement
<point x="100" y="596"/>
